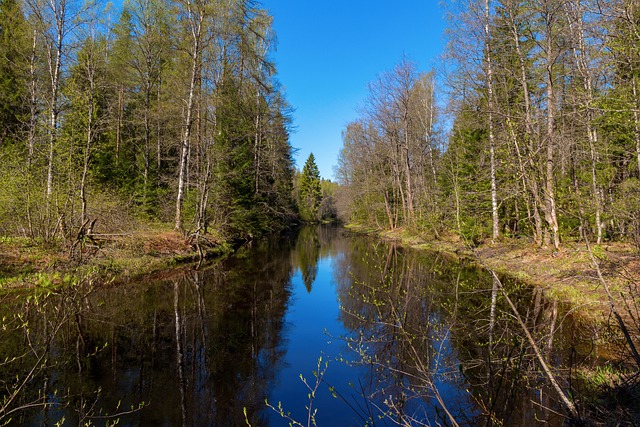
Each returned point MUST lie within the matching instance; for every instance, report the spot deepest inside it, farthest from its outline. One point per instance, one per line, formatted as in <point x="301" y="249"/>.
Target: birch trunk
<point x="54" y="73"/>
<point x="196" y="33"/>
<point x="33" y="93"/>
<point x="33" y="122"/>
<point x="492" y="142"/>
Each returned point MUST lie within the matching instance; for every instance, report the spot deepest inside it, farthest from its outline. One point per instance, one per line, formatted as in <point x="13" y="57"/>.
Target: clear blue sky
<point x="329" y="50"/>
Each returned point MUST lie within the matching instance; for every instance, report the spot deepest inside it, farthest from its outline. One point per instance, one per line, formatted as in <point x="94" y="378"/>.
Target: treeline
<point x="539" y="137"/>
<point x="169" y="112"/>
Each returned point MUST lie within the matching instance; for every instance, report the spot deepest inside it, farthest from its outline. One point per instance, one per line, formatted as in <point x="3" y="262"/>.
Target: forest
<point x="168" y="116"/>
<point x="528" y="128"/>
<point x="168" y="112"/>
<point x="171" y="112"/>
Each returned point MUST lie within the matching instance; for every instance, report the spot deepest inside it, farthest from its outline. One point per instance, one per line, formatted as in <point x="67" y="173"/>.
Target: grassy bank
<point x="28" y="263"/>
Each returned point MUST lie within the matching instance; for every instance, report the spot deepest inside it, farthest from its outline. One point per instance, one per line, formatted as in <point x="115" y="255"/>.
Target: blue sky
<point x="329" y="50"/>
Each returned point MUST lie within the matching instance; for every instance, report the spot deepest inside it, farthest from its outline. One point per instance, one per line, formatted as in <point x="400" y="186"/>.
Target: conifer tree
<point x="310" y="190"/>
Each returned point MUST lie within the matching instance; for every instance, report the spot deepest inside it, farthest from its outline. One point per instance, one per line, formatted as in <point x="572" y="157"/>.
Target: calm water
<point x="398" y="335"/>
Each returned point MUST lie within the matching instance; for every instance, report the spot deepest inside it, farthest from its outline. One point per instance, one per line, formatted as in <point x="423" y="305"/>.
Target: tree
<point x="193" y="14"/>
<point x="14" y="56"/>
<point x="490" y="117"/>
<point x="310" y="190"/>
<point x="60" y="18"/>
<point x="141" y="52"/>
<point x="85" y="124"/>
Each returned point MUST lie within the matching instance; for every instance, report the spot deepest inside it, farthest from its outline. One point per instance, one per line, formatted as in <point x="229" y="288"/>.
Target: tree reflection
<point x="312" y="244"/>
<point x="436" y="337"/>
<point x="193" y="348"/>
<point x="430" y="329"/>
<point x="306" y="255"/>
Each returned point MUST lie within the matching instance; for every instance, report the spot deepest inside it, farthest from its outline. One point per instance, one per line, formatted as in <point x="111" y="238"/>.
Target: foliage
<point x="110" y="119"/>
<point x="543" y="130"/>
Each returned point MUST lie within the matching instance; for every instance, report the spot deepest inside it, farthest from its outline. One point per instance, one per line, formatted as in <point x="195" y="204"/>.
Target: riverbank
<point x="27" y="263"/>
<point x="567" y="275"/>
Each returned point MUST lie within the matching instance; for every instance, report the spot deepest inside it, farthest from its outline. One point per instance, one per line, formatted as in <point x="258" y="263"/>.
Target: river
<point x="361" y="331"/>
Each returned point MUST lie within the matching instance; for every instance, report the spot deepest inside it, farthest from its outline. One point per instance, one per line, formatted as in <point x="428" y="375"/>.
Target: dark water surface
<point x="399" y="336"/>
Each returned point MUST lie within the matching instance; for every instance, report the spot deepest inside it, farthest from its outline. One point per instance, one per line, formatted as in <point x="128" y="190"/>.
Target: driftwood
<point x="81" y="237"/>
<point x="105" y="236"/>
<point x="612" y="305"/>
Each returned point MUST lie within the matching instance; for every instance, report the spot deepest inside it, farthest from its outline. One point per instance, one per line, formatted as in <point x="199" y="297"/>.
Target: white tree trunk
<point x="196" y="32"/>
<point x="490" y="112"/>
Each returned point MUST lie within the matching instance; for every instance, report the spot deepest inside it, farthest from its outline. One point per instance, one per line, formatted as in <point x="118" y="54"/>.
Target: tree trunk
<point x="492" y="142"/>
<point x="119" y="121"/>
<point x="576" y="23"/>
<point x="59" y="11"/>
<point x="53" y="117"/>
<point x="158" y="130"/>
<point x="429" y="106"/>
<point x="636" y="119"/>
<point x="550" y="211"/>
<point x="33" y="123"/>
<point x="188" y="123"/>
<point x="87" y="154"/>
<point x="147" y="141"/>
<point x="407" y="171"/>
<point x="568" y="404"/>
<point x="33" y="92"/>
<point x="528" y="125"/>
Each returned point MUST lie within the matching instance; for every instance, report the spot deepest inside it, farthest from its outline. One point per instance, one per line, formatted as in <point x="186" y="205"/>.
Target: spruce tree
<point x="310" y="190"/>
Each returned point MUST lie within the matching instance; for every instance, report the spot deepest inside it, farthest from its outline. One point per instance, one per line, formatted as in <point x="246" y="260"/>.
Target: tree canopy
<point x="538" y="134"/>
<point x="172" y="112"/>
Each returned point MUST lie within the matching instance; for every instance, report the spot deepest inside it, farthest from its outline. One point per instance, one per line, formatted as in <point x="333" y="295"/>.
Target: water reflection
<point x="420" y="340"/>
<point x="439" y="331"/>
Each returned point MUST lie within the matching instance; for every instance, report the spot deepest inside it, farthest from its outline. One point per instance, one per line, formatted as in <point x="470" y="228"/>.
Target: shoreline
<point x="25" y="264"/>
<point x="567" y="275"/>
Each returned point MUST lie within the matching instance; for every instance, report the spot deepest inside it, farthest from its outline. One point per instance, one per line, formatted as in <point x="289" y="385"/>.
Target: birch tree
<point x="490" y="118"/>
<point x="193" y="14"/>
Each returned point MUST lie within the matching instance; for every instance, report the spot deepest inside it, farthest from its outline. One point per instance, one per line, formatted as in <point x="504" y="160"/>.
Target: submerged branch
<point x="568" y="404"/>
